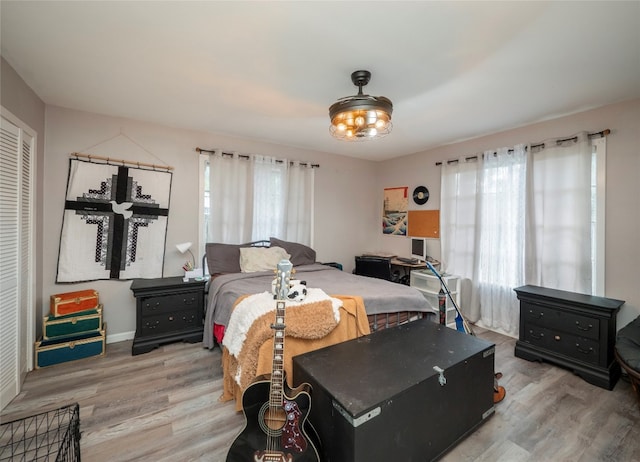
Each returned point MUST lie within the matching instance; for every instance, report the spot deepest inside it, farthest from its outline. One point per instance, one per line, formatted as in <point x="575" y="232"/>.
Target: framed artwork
<point x="394" y="211"/>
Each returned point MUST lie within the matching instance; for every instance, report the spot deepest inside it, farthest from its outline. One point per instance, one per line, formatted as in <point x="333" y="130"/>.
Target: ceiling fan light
<point x="360" y="117"/>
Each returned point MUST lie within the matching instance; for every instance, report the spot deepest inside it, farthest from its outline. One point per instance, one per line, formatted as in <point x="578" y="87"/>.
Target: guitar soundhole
<point x="272" y="419"/>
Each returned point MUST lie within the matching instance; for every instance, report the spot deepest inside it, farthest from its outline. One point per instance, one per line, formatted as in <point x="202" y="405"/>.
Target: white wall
<point x="411" y="171"/>
<point x="622" y="192"/>
<point x="348" y="192"/>
<point x="343" y="191"/>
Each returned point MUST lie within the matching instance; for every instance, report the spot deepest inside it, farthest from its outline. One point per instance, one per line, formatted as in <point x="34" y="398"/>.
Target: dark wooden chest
<point x="572" y="330"/>
<point x="407" y="393"/>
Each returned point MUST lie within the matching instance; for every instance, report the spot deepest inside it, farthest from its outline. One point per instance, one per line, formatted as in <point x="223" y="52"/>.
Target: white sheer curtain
<point x="270" y="191"/>
<point x="230" y="199"/>
<point x="300" y="204"/>
<point x="560" y="254"/>
<point x="500" y="236"/>
<point x="458" y="204"/>
<point x="482" y="233"/>
<point x="250" y="198"/>
<point x="513" y="218"/>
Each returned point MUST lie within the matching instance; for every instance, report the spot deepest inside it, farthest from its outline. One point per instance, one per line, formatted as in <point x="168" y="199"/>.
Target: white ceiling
<point x="270" y="70"/>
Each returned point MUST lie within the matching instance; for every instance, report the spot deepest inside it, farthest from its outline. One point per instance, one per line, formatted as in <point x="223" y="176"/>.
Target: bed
<point x="385" y="303"/>
<point x="339" y="306"/>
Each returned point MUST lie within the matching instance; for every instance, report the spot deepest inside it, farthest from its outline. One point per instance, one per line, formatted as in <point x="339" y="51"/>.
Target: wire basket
<point x="49" y="436"/>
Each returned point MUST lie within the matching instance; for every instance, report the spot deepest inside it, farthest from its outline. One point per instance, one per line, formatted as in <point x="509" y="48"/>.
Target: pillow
<point x="300" y="253"/>
<point x="254" y="259"/>
<point x="223" y="258"/>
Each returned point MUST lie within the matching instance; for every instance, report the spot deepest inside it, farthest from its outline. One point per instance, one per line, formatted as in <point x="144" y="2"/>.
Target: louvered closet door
<point x="15" y="257"/>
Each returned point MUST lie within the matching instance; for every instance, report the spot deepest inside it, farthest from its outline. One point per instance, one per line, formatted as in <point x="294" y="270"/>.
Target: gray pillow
<point x="300" y="253"/>
<point x="223" y="258"/>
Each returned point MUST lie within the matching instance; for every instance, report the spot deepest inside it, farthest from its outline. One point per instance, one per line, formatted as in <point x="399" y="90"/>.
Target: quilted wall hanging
<point x="115" y="222"/>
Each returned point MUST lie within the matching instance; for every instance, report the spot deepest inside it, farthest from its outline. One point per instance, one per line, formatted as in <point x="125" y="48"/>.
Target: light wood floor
<point x="163" y="406"/>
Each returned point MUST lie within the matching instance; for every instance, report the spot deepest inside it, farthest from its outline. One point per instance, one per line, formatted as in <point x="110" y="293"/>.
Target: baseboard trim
<point x="121" y="337"/>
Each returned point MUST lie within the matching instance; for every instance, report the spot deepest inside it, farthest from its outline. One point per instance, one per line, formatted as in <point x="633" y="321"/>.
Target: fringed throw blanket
<point x="250" y="327"/>
<point x="114" y="224"/>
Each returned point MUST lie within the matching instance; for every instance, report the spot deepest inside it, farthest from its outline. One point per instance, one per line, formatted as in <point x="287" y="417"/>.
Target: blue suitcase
<point x="72" y="324"/>
<point x="61" y="350"/>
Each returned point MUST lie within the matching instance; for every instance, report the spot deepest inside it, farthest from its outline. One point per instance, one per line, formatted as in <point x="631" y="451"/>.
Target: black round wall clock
<point x="420" y="195"/>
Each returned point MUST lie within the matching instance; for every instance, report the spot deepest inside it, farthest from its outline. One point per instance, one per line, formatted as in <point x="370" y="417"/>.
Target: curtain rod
<point x="600" y="134"/>
<point x="113" y="161"/>
<point x="247" y="157"/>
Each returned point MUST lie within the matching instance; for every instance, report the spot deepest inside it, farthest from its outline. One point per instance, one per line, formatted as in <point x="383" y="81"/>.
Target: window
<point x="250" y="198"/>
<point x="598" y="175"/>
<point x="514" y="218"/>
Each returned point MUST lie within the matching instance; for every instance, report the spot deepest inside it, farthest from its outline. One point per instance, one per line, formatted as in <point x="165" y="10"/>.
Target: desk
<point x="405" y="265"/>
<point x="404" y="269"/>
<point x="386" y="267"/>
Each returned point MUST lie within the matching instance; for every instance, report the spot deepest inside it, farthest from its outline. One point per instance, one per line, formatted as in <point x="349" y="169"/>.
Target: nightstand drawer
<point x="152" y="306"/>
<point x="170" y="322"/>
<point x="580" y="348"/>
<point x="583" y="326"/>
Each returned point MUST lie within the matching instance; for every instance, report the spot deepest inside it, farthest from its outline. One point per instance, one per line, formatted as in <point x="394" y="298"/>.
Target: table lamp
<point x="186" y="247"/>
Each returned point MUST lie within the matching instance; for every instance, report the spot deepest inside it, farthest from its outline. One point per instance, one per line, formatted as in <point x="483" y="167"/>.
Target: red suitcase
<point x="73" y="302"/>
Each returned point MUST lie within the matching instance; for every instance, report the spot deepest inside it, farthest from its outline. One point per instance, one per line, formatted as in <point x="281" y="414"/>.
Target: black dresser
<point x="572" y="330"/>
<point x="167" y="310"/>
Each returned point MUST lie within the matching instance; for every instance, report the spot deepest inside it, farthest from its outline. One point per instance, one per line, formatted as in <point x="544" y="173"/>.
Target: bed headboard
<point x="225" y="258"/>
<point x="262" y="243"/>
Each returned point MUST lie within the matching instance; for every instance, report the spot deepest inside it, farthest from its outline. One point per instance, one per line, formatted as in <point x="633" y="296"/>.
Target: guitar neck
<point x="277" y="372"/>
<point x="276" y="393"/>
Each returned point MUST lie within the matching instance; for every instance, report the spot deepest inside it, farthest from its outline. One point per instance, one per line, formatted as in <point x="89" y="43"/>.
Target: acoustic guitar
<point x="275" y="415"/>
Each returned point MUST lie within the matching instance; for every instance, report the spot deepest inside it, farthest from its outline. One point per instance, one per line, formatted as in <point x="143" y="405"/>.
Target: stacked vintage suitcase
<point x="72" y="330"/>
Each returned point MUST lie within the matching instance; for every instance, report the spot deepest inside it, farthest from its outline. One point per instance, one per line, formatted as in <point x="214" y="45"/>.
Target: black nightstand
<point x="575" y="331"/>
<point x="167" y="310"/>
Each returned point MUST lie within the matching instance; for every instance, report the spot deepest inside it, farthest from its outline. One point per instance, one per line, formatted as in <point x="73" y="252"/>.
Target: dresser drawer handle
<point x="189" y="301"/>
<point x="536" y="315"/>
<point x="589" y="327"/>
<point x="170" y="318"/>
<point x="556" y="338"/>
<point x="536" y="336"/>
<point x="586" y="352"/>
